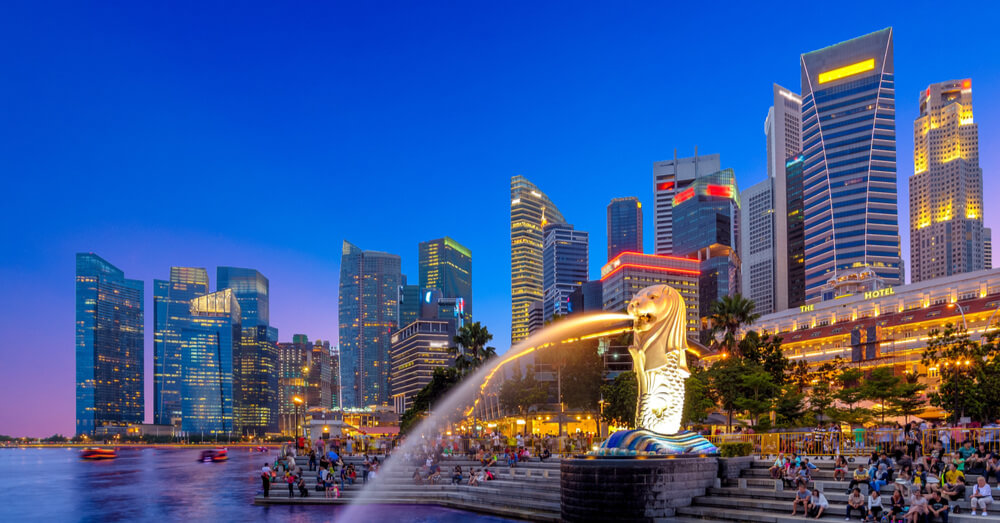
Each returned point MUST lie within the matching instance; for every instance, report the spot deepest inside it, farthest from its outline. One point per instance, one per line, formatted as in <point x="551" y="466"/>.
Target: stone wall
<point x="631" y="489"/>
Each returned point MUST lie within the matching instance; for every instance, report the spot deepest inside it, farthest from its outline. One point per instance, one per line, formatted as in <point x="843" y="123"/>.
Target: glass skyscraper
<point x="171" y="308"/>
<point x="795" y="252"/>
<point x="109" y="347"/>
<point x="209" y="338"/>
<point x="849" y="171"/>
<point x="565" y="266"/>
<point x="530" y="211"/>
<point x="446" y="265"/>
<point x="624" y="226"/>
<point x="255" y="355"/>
<point x="368" y="310"/>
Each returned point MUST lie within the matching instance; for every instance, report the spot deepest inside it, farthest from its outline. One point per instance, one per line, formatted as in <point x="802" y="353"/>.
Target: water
<point x="55" y="485"/>
<point x="467" y="394"/>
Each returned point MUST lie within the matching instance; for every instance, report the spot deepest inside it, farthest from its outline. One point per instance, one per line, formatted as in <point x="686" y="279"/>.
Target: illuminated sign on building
<point x="807" y="308"/>
<point x="888" y="291"/>
<point x="847" y="70"/>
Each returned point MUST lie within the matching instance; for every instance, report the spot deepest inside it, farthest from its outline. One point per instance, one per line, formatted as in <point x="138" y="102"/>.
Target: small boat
<point x="96" y="453"/>
<point x="214" y="455"/>
<point x="262" y="449"/>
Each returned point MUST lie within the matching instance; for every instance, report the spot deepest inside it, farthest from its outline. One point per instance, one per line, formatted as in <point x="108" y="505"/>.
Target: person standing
<point x="265" y="478"/>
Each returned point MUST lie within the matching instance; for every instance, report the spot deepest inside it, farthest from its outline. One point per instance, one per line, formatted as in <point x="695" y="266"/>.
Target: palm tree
<point x="472" y="337"/>
<point x="727" y="317"/>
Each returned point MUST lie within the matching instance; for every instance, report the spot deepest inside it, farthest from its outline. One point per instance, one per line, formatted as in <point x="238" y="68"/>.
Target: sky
<point x="262" y="135"/>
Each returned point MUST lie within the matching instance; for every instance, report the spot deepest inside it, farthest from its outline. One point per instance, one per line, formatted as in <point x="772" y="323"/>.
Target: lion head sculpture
<point x="660" y="326"/>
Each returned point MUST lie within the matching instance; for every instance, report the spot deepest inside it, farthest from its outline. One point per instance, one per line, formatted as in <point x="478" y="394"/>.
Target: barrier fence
<point x="860" y="441"/>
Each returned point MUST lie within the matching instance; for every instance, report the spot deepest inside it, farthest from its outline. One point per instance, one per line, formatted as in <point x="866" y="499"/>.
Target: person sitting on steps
<point x="801" y="498"/>
<point x="855" y="502"/>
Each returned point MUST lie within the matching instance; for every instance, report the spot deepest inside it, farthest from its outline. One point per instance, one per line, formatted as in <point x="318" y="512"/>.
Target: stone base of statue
<point x="646" y="443"/>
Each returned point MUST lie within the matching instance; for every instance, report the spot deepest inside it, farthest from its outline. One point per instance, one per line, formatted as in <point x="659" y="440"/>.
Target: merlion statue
<point x="658" y="348"/>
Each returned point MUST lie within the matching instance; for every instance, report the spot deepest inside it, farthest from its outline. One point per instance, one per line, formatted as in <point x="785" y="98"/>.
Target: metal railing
<point x="859" y="442"/>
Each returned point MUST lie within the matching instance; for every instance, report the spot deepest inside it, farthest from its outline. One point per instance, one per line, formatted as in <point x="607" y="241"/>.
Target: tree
<point x="799" y="375"/>
<point x="851" y="393"/>
<point x="908" y="399"/>
<point x="821" y="398"/>
<point x="472" y="338"/>
<point x="789" y="407"/>
<point x="621" y="397"/>
<point x="765" y="350"/>
<point x="880" y="387"/>
<point x="727" y="316"/>
<point x="726" y="380"/>
<point x="759" y="388"/>
<point x="521" y="393"/>
<point x="966" y="367"/>
<point x="697" y="397"/>
<point x="442" y="381"/>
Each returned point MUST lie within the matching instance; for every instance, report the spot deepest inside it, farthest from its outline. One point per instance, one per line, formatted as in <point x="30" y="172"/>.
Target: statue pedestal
<point x="642" y="488"/>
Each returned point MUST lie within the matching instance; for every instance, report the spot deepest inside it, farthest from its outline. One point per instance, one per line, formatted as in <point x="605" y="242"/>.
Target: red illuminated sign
<point x="684" y="195"/>
<point x="719" y="190"/>
<point x="664" y="186"/>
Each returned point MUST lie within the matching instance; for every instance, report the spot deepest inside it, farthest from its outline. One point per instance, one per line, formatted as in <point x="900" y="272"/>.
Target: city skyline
<point x="299" y="252"/>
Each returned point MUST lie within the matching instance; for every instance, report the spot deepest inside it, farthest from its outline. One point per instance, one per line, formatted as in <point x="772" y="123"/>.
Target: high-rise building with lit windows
<point x="670" y="178"/>
<point x="255" y="356"/>
<point x="849" y="171"/>
<point x="946" y="189"/>
<point x="210" y="340"/>
<point x="171" y="309"/>
<point x="794" y="253"/>
<point x="628" y="273"/>
<point x="368" y="309"/>
<point x="987" y="248"/>
<point x="293" y="359"/>
<point x="624" y="226"/>
<point x="446" y="265"/>
<point x="530" y="211"/>
<point x="109" y="347"/>
<point x="782" y="130"/>
<point x="565" y="267"/>
<point x="758" y="245"/>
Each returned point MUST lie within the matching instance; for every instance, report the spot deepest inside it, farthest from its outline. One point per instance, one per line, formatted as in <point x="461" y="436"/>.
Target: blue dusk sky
<point x="263" y="134"/>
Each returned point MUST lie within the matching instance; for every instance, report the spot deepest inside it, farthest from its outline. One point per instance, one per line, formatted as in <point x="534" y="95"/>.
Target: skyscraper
<point x="627" y="274"/>
<point x="210" y="338"/>
<point x="849" y="148"/>
<point x="669" y="178"/>
<point x="320" y="376"/>
<point x="795" y="239"/>
<point x="171" y="309"/>
<point x="987" y="248"/>
<point x="946" y="189"/>
<point x="446" y="265"/>
<point x="757" y="249"/>
<point x="418" y="349"/>
<point x="707" y="216"/>
<point x="565" y="265"/>
<point x="624" y="226"/>
<point x="782" y="129"/>
<point x="255" y="365"/>
<point x="409" y="304"/>
<point x="368" y="310"/>
<point x="292" y="362"/>
<point x="109" y="346"/>
<point x="335" y="378"/>
<point x="530" y="211"/>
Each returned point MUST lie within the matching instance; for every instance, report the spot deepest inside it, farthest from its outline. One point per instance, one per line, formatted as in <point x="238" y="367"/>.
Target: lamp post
<point x="297" y="400"/>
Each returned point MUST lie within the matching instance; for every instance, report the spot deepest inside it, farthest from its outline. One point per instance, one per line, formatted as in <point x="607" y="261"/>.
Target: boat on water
<point x="96" y="453"/>
<point x="262" y="449"/>
<point x="214" y="455"/>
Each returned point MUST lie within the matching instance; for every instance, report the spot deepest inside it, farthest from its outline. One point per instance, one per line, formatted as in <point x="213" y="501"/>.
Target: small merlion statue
<point x="658" y="350"/>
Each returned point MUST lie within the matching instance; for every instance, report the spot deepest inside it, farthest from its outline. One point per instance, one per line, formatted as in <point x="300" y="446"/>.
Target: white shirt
<point x="819" y="501"/>
<point x="983" y="491"/>
<point x="265" y="470"/>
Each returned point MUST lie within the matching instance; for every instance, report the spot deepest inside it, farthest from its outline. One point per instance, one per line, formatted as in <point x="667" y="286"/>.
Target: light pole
<point x="297" y="400"/>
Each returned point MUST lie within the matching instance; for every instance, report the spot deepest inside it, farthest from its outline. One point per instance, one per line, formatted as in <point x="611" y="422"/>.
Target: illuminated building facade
<point x="624" y="226"/>
<point x="335" y="377"/>
<point x="783" y="132"/>
<point x="794" y="252"/>
<point x="368" y="310"/>
<point x="319" y="377"/>
<point x="589" y="297"/>
<point x="109" y="347"/>
<point x="707" y="219"/>
<point x="670" y="178"/>
<point x="292" y="362"/>
<point x="987" y="248"/>
<point x="255" y="376"/>
<point x="758" y="246"/>
<point x="210" y="338"/>
<point x="418" y="349"/>
<point x="409" y="303"/>
<point x="849" y="171"/>
<point x="946" y="189"/>
<point x="565" y="264"/>
<point x="530" y="211"/>
<point x="629" y="273"/>
<point x="887" y="327"/>
<point x="446" y="265"/>
<point x="171" y="308"/>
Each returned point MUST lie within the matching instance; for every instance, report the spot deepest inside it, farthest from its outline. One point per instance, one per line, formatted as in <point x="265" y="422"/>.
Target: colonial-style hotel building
<point x="887" y="326"/>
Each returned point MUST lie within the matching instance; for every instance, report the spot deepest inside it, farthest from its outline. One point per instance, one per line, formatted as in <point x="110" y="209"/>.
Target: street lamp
<point x="297" y="400"/>
<point x="961" y="310"/>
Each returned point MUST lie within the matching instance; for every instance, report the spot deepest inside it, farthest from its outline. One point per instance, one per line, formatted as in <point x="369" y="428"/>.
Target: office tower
<point x="210" y="338"/>
<point x="624" y="226"/>
<point x="418" y="349"/>
<point x="255" y="377"/>
<point x="757" y="248"/>
<point x="171" y="309"/>
<point x="530" y="211"/>
<point x="849" y="178"/>
<point x="670" y="178"/>
<point x="319" y="377"/>
<point x="629" y="273"/>
<point x="946" y="189"/>
<point x="564" y="267"/>
<point x="447" y="265"/>
<point x="987" y="248"/>
<point x="409" y="304"/>
<point x="335" y="378"/>
<point x="795" y="239"/>
<point x="293" y="359"/>
<point x="707" y="219"/>
<point x="109" y="345"/>
<point x="782" y="129"/>
<point x="369" y="313"/>
<point x="536" y="317"/>
<point x="589" y="297"/>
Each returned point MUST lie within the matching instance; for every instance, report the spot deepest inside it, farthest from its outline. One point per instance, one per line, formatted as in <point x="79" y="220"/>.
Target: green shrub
<point x="735" y="450"/>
